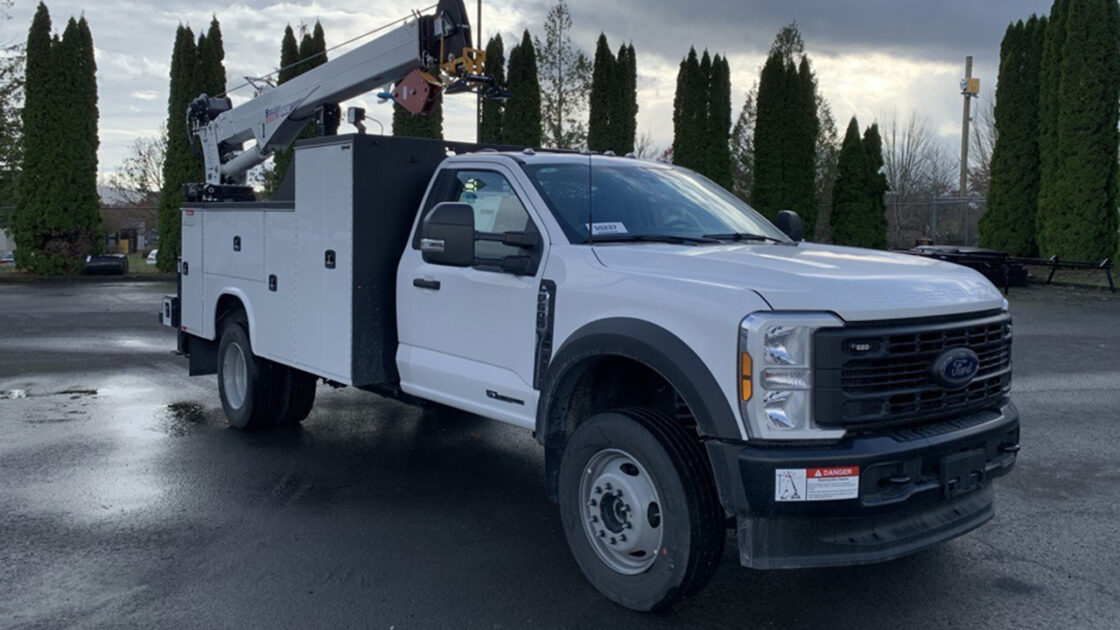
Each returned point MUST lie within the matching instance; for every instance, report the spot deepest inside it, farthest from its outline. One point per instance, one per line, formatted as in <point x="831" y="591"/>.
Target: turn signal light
<point x="745" y="370"/>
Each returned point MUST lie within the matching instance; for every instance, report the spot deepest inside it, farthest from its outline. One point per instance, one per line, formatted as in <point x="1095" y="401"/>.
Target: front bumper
<point x="916" y="487"/>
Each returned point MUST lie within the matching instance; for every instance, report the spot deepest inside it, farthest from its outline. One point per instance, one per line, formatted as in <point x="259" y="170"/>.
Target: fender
<point x="245" y="303"/>
<point x="646" y="343"/>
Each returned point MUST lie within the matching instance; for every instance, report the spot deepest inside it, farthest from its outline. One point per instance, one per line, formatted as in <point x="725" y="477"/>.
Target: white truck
<point x="687" y="366"/>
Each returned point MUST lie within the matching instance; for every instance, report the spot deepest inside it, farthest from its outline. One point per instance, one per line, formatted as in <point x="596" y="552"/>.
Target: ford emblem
<point x="956" y="367"/>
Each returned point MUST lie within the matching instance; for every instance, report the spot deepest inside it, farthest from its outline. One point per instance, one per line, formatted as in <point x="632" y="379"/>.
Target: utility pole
<point x="478" y="97"/>
<point x="969" y="88"/>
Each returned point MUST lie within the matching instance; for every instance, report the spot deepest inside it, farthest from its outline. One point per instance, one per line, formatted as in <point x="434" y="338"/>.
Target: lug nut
<point x="622" y="537"/>
<point x="629" y="525"/>
<point x="607" y="486"/>
<point x="599" y="490"/>
<point x="594" y="519"/>
<point x="592" y="503"/>
<point x="613" y="541"/>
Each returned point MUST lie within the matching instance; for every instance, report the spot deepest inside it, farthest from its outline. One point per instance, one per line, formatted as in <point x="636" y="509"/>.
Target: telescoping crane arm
<point x="422" y="57"/>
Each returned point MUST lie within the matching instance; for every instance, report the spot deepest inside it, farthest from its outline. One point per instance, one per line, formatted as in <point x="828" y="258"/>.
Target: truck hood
<point x="856" y="284"/>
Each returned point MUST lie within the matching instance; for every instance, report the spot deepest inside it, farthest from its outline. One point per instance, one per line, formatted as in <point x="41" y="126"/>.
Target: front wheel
<point x="639" y="508"/>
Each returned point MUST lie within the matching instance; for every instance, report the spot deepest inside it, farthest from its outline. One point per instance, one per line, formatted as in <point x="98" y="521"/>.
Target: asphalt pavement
<point x="125" y="501"/>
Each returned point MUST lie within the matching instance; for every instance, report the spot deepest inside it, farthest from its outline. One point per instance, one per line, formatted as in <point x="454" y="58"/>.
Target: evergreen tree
<point x="604" y="101"/>
<point x="35" y="204"/>
<point x="429" y="125"/>
<point x="742" y="147"/>
<point x="180" y="166"/>
<point x="718" y="166"/>
<point x="1080" y="219"/>
<point x="294" y="61"/>
<point x="688" y="67"/>
<point x="1049" y="110"/>
<point x="522" y="122"/>
<point x="289" y="56"/>
<point x="771" y="144"/>
<point x="876" y="189"/>
<point x="211" y="54"/>
<point x="626" y="104"/>
<point x="804" y="127"/>
<point x="57" y="221"/>
<point x="690" y="116"/>
<point x="1008" y="223"/>
<point x="493" y="110"/>
<point x="853" y="210"/>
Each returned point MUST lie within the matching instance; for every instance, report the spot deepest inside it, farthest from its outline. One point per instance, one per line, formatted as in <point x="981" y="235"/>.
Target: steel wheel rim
<point x="621" y="511"/>
<point x="235" y="375"/>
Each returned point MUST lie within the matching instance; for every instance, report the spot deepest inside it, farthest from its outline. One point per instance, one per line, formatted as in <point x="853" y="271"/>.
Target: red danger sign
<point x="837" y="471"/>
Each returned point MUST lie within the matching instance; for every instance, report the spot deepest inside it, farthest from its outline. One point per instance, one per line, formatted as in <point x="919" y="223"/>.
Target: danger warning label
<point x="816" y="484"/>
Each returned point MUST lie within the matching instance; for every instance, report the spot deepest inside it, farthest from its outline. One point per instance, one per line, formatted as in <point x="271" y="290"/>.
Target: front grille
<point x="883" y="373"/>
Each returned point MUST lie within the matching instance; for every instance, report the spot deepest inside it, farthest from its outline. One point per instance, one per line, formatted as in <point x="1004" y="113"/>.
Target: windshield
<point x="643" y="200"/>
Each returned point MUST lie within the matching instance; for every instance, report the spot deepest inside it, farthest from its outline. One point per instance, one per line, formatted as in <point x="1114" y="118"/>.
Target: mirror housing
<point x="447" y="235"/>
<point x="790" y="224"/>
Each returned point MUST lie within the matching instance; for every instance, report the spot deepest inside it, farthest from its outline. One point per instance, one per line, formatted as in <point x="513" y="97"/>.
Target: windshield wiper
<point x="743" y="236"/>
<point x="652" y="238"/>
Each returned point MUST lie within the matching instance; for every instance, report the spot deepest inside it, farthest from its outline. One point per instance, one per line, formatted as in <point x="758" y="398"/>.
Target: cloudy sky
<point x="872" y="57"/>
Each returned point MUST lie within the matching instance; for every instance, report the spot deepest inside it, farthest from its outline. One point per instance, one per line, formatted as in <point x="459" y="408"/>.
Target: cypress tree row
<point x="718" y="167"/>
<point x="1008" y="223"/>
<point x="295" y="60"/>
<point x="702" y="117"/>
<point x="493" y="110"/>
<point x="690" y="113"/>
<point x="626" y="105"/>
<point x="786" y="131"/>
<point x="858" y="217"/>
<point x="57" y="220"/>
<point x="1049" y="110"/>
<point x="877" y="187"/>
<point x="428" y="125"/>
<point x="604" y="99"/>
<point x="801" y="177"/>
<point x="770" y="142"/>
<point x="180" y="165"/>
<point x="1077" y="219"/>
<point x="521" y="125"/>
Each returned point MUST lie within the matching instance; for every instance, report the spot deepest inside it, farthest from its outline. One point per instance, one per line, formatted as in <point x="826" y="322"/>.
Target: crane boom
<point x="423" y="56"/>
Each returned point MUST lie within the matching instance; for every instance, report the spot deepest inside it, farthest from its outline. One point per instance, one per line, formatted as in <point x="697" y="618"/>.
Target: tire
<point x="248" y="385"/>
<point x="661" y="465"/>
<point x="298" y="395"/>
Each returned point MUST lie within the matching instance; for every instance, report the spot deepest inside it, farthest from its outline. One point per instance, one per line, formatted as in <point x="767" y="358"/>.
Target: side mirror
<point x="790" y="223"/>
<point x="447" y="235"/>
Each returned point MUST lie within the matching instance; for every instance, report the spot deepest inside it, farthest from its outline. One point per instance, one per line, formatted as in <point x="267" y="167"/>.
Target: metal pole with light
<point x="970" y="88"/>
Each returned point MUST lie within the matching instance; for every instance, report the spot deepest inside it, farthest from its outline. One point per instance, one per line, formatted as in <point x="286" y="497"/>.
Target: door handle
<point x="421" y="283"/>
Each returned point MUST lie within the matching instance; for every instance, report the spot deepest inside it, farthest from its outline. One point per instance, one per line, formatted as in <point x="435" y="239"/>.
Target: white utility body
<point x="684" y="363"/>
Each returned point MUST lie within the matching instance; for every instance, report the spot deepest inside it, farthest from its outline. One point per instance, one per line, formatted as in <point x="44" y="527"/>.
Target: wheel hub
<point x="621" y="511"/>
<point x="235" y="375"/>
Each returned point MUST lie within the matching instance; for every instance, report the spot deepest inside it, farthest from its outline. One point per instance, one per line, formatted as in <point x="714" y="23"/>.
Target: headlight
<point x="89" y="258"/>
<point x="776" y="375"/>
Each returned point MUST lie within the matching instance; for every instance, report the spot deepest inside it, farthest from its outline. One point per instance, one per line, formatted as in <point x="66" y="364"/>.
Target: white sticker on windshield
<point x="614" y="227"/>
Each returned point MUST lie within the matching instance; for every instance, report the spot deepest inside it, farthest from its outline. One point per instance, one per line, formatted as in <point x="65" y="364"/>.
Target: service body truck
<point x="686" y="365"/>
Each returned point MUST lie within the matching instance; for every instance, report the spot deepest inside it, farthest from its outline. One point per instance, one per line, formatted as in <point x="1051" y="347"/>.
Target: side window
<point x="496" y="209"/>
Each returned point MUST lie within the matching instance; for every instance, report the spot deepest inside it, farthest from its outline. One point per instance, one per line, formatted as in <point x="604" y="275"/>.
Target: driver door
<point x="470" y="336"/>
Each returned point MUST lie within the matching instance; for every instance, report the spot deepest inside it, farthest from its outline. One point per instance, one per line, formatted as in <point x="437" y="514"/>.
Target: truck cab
<point x="686" y="365"/>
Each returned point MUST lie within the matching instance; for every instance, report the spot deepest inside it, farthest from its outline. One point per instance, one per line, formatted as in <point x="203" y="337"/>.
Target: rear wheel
<point x="247" y="384"/>
<point x="639" y="508"/>
<point x="298" y="395"/>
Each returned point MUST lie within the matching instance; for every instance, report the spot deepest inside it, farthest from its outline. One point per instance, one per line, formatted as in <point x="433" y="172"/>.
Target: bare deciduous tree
<point x="980" y="144"/>
<point x="918" y="165"/>
<point x="142" y="169"/>
<point x="644" y="147"/>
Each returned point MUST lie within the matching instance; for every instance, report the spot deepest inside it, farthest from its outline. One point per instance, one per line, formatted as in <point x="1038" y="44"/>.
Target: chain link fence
<point x="940" y="220"/>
